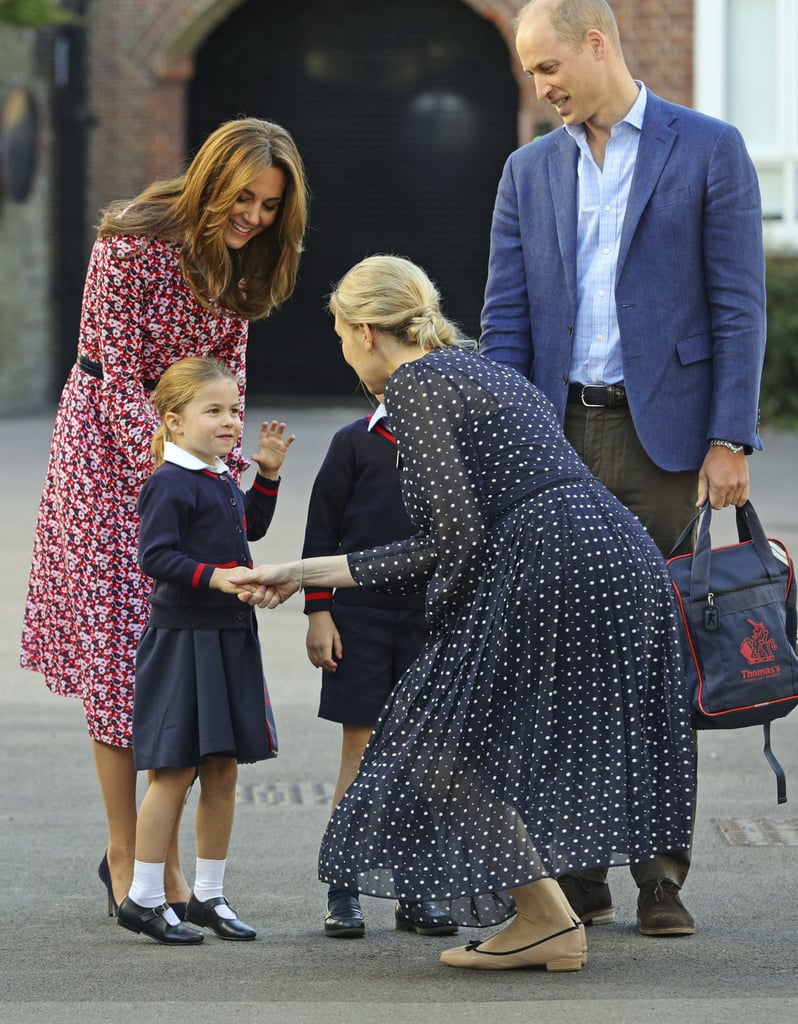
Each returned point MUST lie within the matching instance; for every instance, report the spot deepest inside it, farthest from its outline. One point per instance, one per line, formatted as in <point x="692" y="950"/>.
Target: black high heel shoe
<point x="150" y="921"/>
<point x="104" y="873"/>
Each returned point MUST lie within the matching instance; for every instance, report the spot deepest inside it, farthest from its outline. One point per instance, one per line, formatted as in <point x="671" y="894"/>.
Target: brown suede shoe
<point x="590" y="900"/>
<point x="661" y="912"/>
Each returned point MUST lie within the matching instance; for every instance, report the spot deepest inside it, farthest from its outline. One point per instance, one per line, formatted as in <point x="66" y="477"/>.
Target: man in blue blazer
<point x="626" y="281"/>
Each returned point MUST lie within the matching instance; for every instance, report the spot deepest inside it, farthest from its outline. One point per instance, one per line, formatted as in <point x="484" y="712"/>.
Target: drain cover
<point x="759" y="831"/>
<point x="294" y="794"/>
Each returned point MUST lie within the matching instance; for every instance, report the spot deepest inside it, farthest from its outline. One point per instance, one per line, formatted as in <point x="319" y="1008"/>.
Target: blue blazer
<point x="690" y="285"/>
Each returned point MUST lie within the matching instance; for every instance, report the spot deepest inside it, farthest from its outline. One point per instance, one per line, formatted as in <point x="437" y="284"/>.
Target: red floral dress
<point x="87" y="598"/>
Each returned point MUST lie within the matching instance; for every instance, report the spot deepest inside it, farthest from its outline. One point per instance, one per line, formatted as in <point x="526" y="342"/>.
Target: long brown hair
<point x="193" y="209"/>
<point x="180" y="384"/>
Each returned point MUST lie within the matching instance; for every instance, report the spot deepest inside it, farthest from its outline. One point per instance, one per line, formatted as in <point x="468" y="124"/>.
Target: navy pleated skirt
<point x="200" y="692"/>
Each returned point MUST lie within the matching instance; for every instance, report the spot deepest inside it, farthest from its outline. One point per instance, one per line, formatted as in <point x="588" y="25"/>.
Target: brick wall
<point x="140" y="59"/>
<point x="657" y="38"/>
<point x="26" y="349"/>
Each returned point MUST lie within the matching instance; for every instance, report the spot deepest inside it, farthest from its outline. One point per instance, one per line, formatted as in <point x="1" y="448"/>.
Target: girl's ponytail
<point x="158" y="444"/>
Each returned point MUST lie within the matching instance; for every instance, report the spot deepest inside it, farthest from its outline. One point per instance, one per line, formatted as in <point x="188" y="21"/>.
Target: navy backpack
<point x="738" y="628"/>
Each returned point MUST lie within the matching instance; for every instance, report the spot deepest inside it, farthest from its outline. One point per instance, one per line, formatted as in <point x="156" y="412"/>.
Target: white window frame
<point x="709" y="95"/>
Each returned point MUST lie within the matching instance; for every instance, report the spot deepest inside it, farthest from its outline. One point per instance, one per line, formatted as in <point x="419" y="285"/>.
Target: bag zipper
<point x="711" y="612"/>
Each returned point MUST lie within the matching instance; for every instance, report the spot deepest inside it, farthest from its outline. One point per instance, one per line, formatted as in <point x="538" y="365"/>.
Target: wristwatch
<point x="717" y="442"/>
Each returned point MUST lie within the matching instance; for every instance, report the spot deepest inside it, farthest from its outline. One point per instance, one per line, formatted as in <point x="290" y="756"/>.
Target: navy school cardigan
<point x="193" y="521"/>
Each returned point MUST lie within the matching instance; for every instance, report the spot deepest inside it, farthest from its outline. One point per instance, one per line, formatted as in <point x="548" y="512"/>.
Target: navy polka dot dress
<point x="545" y="726"/>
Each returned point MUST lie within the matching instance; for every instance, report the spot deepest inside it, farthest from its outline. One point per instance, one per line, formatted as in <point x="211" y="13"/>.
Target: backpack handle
<point x="749" y="528"/>
<point x="683" y="546"/>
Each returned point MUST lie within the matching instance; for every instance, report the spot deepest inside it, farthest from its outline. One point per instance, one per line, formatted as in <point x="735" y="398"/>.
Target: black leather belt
<point x="94" y="369"/>
<point x="598" y="396"/>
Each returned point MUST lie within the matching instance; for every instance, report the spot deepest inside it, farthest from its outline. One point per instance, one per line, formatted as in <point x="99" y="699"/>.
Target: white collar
<point x="379" y="414"/>
<point x="180" y="457"/>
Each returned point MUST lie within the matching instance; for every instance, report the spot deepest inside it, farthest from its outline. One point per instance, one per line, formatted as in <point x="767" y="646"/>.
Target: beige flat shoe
<point x="562" y="951"/>
<point x="582" y="940"/>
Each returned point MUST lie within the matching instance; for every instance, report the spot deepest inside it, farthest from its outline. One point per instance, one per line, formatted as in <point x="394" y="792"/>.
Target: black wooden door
<point x="404" y="112"/>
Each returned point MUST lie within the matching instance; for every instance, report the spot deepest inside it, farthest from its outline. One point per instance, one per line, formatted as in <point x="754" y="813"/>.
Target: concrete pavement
<point x="63" y="961"/>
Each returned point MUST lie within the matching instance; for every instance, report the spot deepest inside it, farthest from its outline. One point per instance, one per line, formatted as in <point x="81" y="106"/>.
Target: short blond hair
<point x="571" y="19"/>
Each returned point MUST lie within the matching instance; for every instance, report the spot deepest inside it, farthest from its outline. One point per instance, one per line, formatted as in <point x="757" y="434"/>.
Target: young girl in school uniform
<point x="201" y="705"/>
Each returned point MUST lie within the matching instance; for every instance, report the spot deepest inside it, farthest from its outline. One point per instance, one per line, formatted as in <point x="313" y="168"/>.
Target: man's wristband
<point x="717" y="442"/>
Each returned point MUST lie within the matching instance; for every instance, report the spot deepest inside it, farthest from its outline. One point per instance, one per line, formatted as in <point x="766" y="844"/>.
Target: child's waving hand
<point x="272" y="446"/>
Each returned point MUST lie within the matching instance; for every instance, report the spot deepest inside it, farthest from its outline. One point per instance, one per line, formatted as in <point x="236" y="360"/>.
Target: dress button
<point x="240" y="616"/>
<point x="233" y="502"/>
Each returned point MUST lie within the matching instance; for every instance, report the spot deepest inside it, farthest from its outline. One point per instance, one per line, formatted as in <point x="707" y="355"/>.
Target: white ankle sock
<point x="147" y="888"/>
<point x="209" y="883"/>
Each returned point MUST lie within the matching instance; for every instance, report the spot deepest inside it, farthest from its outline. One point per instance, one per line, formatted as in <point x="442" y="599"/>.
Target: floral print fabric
<point x="87" y="598"/>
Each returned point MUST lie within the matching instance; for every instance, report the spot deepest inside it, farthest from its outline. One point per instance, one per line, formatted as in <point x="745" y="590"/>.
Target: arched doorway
<point x="404" y="113"/>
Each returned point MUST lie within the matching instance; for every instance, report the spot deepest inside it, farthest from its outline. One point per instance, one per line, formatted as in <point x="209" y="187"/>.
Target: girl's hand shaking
<point x="267" y="586"/>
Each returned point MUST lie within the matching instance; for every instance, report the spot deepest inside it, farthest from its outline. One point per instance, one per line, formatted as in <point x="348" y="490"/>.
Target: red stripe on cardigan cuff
<point x="270" y="490"/>
<point x="318" y="601"/>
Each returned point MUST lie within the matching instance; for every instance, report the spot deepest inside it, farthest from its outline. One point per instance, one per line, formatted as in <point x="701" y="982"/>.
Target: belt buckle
<point x="590" y="405"/>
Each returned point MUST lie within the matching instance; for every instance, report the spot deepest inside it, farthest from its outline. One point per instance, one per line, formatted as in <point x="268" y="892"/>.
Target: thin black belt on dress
<point x="598" y="396"/>
<point x="94" y="369"/>
<point x="494" y="511"/>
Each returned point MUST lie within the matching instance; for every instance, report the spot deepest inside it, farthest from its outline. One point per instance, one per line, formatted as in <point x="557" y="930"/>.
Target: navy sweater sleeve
<point x="355" y="503"/>
<point x="329" y="497"/>
<point x="259" y="504"/>
<point x="192" y="522"/>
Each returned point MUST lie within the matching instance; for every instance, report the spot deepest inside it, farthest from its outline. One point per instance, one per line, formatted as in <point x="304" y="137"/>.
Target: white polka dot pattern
<point x="545" y="726"/>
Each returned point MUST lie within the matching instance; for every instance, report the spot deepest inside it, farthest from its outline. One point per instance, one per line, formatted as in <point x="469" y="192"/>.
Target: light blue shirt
<point x="601" y="208"/>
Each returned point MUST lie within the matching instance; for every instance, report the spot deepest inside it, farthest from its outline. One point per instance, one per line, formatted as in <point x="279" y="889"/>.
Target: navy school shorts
<point x="379" y="644"/>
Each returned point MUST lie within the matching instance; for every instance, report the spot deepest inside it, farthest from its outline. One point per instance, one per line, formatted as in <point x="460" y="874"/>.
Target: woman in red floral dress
<point x="178" y="271"/>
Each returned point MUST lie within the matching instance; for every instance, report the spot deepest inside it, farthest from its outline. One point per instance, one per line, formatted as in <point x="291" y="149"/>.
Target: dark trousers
<point x="664" y="503"/>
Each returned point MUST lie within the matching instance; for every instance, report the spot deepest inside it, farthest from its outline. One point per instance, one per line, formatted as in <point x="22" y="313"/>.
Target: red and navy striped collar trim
<point x="378" y="427"/>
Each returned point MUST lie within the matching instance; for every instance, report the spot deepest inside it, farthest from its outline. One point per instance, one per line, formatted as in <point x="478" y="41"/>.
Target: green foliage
<point x="35" y="13"/>
<point x="779" y="396"/>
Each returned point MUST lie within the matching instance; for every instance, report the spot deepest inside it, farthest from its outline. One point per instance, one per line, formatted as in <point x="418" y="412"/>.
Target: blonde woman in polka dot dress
<point x="544" y="728"/>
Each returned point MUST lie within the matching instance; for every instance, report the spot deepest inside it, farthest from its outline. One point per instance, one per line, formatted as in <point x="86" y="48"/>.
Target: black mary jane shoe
<point x="205" y="915"/>
<point x="150" y="921"/>
<point x="344" y="918"/>
<point x="424" y="917"/>
<point x="180" y="909"/>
